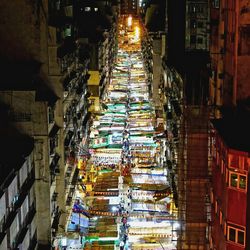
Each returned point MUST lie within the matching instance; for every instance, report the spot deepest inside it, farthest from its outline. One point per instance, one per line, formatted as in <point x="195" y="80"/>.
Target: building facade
<point x="18" y="227"/>
<point x="47" y="98"/>
<point x="229" y="52"/>
<point x="185" y="66"/>
<point x="129" y="7"/>
<point x="197" y="23"/>
<point x="230" y="185"/>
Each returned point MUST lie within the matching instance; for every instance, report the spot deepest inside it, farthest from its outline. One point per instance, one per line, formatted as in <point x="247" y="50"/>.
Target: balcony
<point x="28" y="219"/>
<point x="71" y="119"/>
<point x="25" y="188"/>
<point x="53" y="142"/>
<point x="56" y="219"/>
<point x="33" y="242"/>
<point x="70" y="185"/>
<point x="54" y="168"/>
<point x="68" y="10"/>
<point x="67" y="61"/>
<point x="23" y="192"/>
<point x="68" y="138"/>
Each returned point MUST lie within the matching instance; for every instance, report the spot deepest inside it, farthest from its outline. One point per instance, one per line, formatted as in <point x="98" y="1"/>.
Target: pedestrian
<point x="122" y="245"/>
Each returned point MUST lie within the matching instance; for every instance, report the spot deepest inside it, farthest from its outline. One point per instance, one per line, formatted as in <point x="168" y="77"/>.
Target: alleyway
<point x="129" y="201"/>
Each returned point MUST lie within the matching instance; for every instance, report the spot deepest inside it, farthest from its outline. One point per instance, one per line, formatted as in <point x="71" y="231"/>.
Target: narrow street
<point x="128" y="196"/>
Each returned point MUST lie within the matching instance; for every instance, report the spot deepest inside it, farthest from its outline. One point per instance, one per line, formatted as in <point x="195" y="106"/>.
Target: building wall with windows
<point x="18" y="227"/>
<point x="197" y="20"/>
<point x="229" y="52"/>
<point x="129" y="7"/>
<point x="229" y="195"/>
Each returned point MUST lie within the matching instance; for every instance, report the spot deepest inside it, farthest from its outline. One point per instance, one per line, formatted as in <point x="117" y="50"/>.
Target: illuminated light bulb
<point x="130" y="21"/>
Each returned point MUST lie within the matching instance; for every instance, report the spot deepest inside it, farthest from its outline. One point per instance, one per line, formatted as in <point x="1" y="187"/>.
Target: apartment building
<point x="17" y="191"/>
<point x="185" y="77"/>
<point x="129" y="7"/>
<point x="230" y="185"/>
<point x="46" y="47"/>
<point x="47" y="95"/>
<point x="229" y="52"/>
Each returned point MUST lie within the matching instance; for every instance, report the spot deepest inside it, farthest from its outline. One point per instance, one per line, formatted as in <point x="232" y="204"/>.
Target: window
<point x="236" y="235"/>
<point x="233" y="180"/>
<point x="242" y="183"/>
<point x="95" y="9"/>
<point x="87" y="9"/>
<point x="193" y="23"/>
<point x="231" y="234"/>
<point x="241" y="235"/>
<point x="237" y="180"/>
<point x="192" y="39"/>
<point x="216" y="3"/>
<point x="200" y="40"/>
<point x="51" y="115"/>
<point x="244" y="40"/>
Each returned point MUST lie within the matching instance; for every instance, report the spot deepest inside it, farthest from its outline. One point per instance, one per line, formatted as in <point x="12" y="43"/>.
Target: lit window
<point x="242" y="183"/>
<point x="87" y="9"/>
<point x="236" y="235"/>
<point x="233" y="180"/>
<point x="216" y="3"/>
<point x="238" y="181"/>
<point x="95" y="9"/>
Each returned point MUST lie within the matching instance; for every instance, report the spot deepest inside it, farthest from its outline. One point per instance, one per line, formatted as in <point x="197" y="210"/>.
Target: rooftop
<point x="26" y="77"/>
<point x="234" y="129"/>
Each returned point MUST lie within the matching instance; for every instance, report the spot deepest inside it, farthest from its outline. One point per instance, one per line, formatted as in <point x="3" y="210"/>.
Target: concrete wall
<point x="24" y="102"/>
